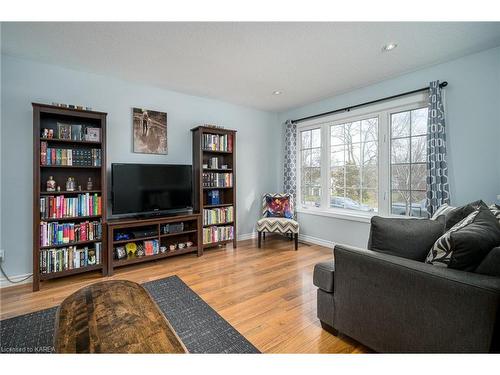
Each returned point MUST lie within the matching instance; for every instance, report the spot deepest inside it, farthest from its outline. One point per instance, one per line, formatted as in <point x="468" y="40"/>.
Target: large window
<point x="365" y="162"/>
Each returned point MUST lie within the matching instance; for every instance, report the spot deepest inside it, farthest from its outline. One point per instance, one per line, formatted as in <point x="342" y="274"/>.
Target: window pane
<point x="337" y="156"/>
<point x="419" y="149"/>
<point x="369" y="176"/>
<point x="337" y="197"/>
<point x="418" y="177"/>
<point x="337" y="135"/>
<point x="369" y="200"/>
<point x="400" y="124"/>
<point x="352" y="198"/>
<point x="352" y="176"/>
<point x="315" y="157"/>
<point x="306" y="158"/>
<point x="306" y="139"/>
<point x="400" y="150"/>
<point x="418" y="199"/>
<point x="419" y="121"/>
<point x="311" y="195"/>
<point x="337" y="177"/>
<point x="316" y="138"/>
<point x="352" y="132"/>
<point x="400" y="204"/>
<point x="316" y="176"/>
<point x="400" y="177"/>
<point x="369" y="129"/>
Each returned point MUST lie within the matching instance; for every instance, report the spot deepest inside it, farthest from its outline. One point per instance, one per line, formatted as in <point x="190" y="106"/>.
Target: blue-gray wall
<point x="26" y="81"/>
<point x="472" y="102"/>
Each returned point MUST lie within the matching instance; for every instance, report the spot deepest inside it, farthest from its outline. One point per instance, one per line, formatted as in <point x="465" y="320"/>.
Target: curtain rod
<point x="347" y="109"/>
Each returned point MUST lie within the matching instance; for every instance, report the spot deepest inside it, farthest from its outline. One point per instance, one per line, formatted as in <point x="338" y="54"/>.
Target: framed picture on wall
<point x="149" y="131"/>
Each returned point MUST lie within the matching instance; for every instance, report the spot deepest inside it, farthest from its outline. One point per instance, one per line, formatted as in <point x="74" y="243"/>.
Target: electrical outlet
<point x="2" y="255"/>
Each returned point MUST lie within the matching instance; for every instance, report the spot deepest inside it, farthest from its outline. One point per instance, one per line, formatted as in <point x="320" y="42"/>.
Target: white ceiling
<point x="244" y="63"/>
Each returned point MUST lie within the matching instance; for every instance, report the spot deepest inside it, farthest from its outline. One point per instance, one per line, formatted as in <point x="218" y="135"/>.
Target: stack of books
<point x="151" y="247"/>
<point x="56" y="207"/>
<point x="65" y="233"/>
<point x="218" y="215"/>
<point x="214" y="142"/>
<point x="70" y="157"/>
<point x="213" y="179"/>
<point x="68" y="258"/>
<point x="216" y="234"/>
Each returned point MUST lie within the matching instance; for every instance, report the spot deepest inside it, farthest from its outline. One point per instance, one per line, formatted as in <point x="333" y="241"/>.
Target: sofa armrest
<point x="394" y="304"/>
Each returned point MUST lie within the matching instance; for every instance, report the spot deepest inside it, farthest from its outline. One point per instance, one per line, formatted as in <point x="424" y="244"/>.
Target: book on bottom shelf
<point x="217" y="234"/>
<point x="69" y="258"/>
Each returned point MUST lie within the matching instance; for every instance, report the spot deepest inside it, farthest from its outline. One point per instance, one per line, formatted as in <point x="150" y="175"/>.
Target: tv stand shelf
<point x="190" y="232"/>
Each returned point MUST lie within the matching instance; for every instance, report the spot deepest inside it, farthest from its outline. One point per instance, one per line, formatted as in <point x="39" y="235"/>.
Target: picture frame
<point x="149" y="131"/>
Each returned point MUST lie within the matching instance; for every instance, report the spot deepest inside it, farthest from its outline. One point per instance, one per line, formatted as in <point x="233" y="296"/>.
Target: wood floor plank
<point x="266" y="294"/>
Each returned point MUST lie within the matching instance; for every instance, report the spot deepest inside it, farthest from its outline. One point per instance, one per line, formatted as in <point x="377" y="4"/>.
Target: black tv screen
<point x="151" y="188"/>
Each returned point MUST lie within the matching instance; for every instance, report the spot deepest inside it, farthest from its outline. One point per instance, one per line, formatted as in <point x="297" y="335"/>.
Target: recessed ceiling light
<point x="389" y="47"/>
<point x="277" y="92"/>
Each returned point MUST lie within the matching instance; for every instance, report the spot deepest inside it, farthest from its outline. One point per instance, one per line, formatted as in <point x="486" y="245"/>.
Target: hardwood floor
<point x="266" y="294"/>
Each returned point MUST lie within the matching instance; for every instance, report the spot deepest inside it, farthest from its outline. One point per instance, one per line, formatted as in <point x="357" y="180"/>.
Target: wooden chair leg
<point x="259" y="239"/>
<point x="264" y="236"/>
<point x="296" y="241"/>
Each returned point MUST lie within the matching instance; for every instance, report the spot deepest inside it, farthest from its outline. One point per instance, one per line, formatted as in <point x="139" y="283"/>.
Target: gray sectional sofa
<point x="393" y="304"/>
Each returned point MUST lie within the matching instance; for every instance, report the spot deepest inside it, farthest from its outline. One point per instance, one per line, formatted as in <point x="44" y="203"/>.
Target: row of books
<point x="69" y="258"/>
<point x="216" y="234"/>
<point x="215" y="142"/>
<point x="56" y="207"/>
<point x="218" y="215"/>
<point x="55" y="233"/>
<point x="70" y="157"/>
<point x="213" y="179"/>
<point x="151" y="247"/>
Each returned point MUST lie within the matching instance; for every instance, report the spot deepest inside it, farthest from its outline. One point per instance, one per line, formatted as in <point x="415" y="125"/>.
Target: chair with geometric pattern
<point x="278" y="216"/>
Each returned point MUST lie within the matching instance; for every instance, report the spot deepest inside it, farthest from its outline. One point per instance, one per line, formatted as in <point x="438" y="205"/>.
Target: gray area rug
<point x="200" y="328"/>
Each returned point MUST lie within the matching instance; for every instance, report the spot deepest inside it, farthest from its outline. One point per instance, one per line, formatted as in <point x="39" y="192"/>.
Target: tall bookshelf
<point x="66" y="238"/>
<point x="214" y="168"/>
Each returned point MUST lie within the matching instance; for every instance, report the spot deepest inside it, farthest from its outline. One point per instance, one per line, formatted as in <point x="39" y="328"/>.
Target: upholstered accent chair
<point x="278" y="216"/>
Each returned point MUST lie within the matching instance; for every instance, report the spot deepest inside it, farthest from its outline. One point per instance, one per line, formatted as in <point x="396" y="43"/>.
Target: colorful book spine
<point x="218" y="215"/>
<point x="56" y="207"/>
<point x="217" y="234"/>
<point x="68" y="258"/>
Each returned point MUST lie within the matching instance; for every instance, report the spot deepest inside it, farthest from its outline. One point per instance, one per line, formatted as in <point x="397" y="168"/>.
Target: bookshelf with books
<point x="214" y="169"/>
<point x="69" y="192"/>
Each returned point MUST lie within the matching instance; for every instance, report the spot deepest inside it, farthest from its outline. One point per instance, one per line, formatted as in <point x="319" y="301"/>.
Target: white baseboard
<point x="316" y="241"/>
<point x="5" y="283"/>
<point x="247" y="236"/>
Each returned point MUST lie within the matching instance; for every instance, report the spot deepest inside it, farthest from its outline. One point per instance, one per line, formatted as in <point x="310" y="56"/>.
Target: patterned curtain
<point x="290" y="172"/>
<point x="438" y="191"/>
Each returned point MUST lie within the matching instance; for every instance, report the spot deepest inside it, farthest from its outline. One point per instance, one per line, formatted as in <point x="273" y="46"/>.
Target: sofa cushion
<point x="467" y="243"/>
<point x="407" y="238"/>
<point x="490" y="265"/>
<point x="495" y="210"/>
<point x="323" y="275"/>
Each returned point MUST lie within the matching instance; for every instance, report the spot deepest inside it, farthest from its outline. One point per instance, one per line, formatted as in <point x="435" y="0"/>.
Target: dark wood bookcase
<point x="47" y="117"/>
<point x="202" y="166"/>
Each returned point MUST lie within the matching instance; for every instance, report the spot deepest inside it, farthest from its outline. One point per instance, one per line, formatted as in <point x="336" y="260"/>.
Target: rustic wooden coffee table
<point x="113" y="317"/>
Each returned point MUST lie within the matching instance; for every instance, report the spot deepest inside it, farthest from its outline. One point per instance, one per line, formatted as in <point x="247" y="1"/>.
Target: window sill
<point x="354" y="216"/>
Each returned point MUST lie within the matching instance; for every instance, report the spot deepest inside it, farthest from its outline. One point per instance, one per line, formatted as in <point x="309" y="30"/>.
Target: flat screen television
<point x="151" y="189"/>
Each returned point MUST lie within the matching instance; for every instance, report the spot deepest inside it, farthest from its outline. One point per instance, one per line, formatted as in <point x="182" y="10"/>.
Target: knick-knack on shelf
<point x="90" y="185"/>
<point x="70" y="184"/>
<point x="51" y="184"/>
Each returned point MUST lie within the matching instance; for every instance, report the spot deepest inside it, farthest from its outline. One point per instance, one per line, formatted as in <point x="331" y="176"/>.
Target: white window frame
<point x="381" y="110"/>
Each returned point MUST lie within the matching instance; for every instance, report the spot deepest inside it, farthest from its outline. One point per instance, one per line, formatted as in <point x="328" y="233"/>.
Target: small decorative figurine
<point x="90" y="185"/>
<point x="172" y="247"/>
<point x="70" y="184"/>
<point x="51" y="134"/>
<point x="79" y="187"/>
<point x="189" y="244"/>
<point x="163" y="249"/>
<point x="51" y="184"/>
<point x="58" y="188"/>
<point x="182" y="245"/>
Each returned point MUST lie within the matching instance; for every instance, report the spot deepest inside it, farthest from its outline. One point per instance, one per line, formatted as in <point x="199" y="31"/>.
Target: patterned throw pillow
<point x="278" y="207"/>
<point x="495" y="210"/>
<point x="466" y="243"/>
<point x="444" y="209"/>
